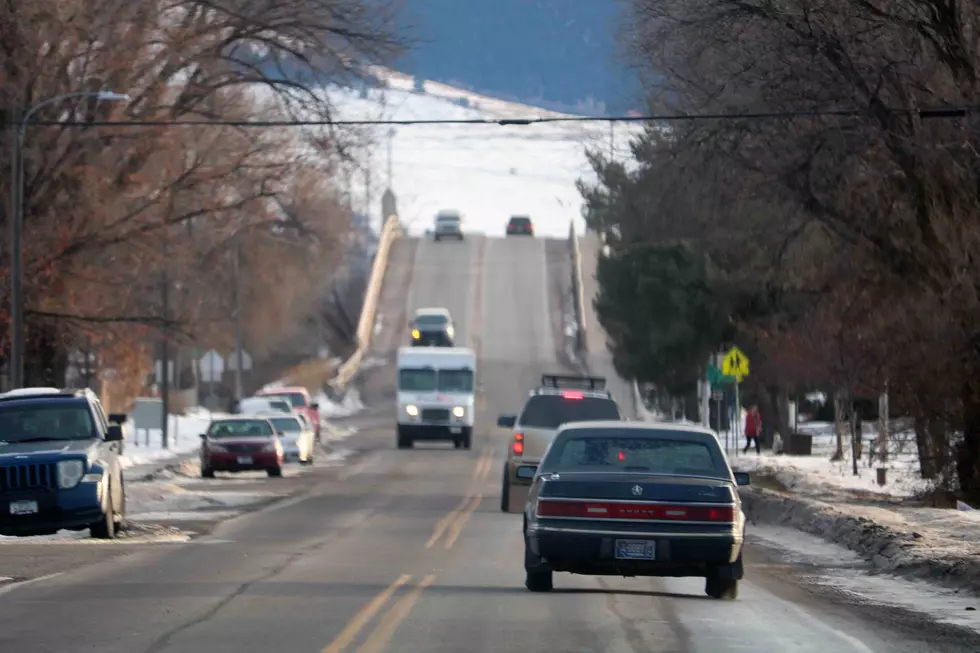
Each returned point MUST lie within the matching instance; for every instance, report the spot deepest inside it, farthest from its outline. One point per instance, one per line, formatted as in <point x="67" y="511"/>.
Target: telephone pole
<point x="165" y="348"/>
<point x="237" y="311"/>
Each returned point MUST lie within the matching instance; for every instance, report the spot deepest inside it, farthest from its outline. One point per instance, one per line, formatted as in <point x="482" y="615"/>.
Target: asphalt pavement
<point x="407" y="551"/>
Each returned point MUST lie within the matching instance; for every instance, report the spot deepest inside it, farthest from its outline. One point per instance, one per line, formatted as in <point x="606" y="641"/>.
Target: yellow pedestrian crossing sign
<point x="735" y="364"/>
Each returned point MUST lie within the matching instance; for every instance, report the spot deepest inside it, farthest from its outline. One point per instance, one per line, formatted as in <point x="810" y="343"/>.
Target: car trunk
<point x="623" y="487"/>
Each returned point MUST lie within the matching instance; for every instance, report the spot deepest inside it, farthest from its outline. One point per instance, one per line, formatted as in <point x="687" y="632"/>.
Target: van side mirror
<point x="315" y="406"/>
<point x="114" y="433"/>
<point x="204" y="436"/>
<point x="527" y="471"/>
<point x="742" y="478"/>
<point x="506" y="421"/>
<point x="118" y="418"/>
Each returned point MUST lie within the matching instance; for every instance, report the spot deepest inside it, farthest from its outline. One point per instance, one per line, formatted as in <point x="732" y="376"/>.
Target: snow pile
<point x="169" y="501"/>
<point x="817" y="474"/>
<point x="145" y="446"/>
<point x="347" y="406"/>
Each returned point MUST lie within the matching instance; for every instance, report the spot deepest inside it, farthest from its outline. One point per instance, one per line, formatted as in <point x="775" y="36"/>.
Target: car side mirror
<point x="742" y="478"/>
<point x="204" y="436"/>
<point x="315" y="406"/>
<point x="114" y="433"/>
<point x="280" y="433"/>
<point x="506" y="421"/>
<point x="527" y="471"/>
<point x="118" y="418"/>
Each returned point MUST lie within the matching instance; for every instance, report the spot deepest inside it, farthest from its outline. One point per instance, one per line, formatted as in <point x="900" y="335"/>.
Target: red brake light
<point x="518" y="447"/>
<point x="621" y="456"/>
<point x="572" y="395"/>
<point x="602" y="510"/>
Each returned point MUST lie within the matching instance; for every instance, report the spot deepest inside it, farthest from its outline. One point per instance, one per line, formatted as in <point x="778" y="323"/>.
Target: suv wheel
<point x="105" y="528"/>
<point x="505" y="492"/>
<point x="467" y="438"/>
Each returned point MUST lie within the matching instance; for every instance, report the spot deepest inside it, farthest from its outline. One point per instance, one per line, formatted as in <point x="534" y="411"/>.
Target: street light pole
<point x="17" y="227"/>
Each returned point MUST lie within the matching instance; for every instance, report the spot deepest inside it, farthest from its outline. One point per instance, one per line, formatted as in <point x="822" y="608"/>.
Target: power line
<point x="925" y="114"/>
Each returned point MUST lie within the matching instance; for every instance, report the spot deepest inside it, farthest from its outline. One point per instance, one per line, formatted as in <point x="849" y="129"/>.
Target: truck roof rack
<point x="594" y="383"/>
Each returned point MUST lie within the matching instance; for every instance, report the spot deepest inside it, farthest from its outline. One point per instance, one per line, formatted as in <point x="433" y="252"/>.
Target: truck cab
<point x="436" y="395"/>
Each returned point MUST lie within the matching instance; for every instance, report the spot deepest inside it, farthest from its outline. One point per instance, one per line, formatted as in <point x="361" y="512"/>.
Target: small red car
<point x="241" y="443"/>
<point x="299" y="398"/>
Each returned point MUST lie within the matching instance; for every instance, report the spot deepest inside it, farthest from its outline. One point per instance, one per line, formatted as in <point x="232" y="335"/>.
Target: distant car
<point x="433" y="327"/>
<point x="59" y="463"/>
<point x="520" y="225"/>
<point x="300" y="401"/>
<point x="241" y="443"/>
<point x="298" y="439"/>
<point x="560" y="399"/>
<point x="256" y="405"/>
<point x="634" y="499"/>
<point x="448" y="225"/>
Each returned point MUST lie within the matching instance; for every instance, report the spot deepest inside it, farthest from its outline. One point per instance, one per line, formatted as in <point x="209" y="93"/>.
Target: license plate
<point x="455" y="429"/>
<point x="244" y="460"/>
<point x="635" y="550"/>
<point x="23" y="507"/>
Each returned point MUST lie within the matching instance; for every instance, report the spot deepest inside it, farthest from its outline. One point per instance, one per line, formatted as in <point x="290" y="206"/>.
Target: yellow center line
<point x="443" y="523"/>
<point x="391" y="619"/>
<point x="365" y="614"/>
<point x="464" y="517"/>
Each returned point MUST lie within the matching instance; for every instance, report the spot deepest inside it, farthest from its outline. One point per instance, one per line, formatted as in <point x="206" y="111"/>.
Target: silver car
<point x="448" y="225"/>
<point x="297" y="437"/>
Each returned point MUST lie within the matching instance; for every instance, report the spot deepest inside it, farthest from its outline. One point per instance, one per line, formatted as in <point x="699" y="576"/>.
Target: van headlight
<point x="70" y="472"/>
<point x="450" y="331"/>
<point x="459" y="411"/>
<point x="412" y="410"/>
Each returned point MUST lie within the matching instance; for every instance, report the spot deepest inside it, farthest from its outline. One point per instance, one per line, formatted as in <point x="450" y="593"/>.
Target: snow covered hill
<point x="487" y="172"/>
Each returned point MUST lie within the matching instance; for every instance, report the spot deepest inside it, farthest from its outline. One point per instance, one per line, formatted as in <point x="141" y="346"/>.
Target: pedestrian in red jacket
<point x="753" y="429"/>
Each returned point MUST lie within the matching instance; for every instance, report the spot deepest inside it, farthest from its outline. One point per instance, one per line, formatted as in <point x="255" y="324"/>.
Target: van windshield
<point x="417" y="380"/>
<point x="456" y="380"/>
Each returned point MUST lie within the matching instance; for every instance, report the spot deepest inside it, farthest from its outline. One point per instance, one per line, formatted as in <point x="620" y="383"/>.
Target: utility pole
<point x="237" y="311"/>
<point x="367" y="192"/>
<point x="391" y="135"/>
<point x="165" y="349"/>
<point x="16" y="359"/>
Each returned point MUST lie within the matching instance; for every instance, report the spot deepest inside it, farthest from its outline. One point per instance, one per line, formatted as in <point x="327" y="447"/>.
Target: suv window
<point x="520" y="221"/>
<point x="431" y="319"/>
<point x="551" y="411"/>
<point x="52" y="419"/>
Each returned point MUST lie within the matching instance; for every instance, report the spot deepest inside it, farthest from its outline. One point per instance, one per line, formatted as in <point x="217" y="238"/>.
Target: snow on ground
<point x="487" y="172"/>
<point x="845" y="572"/>
<point x="817" y="473"/>
<point x="347" y="406"/>
<point x="145" y="447"/>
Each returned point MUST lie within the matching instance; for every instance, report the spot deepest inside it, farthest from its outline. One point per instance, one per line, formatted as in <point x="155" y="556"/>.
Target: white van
<point x="436" y="395"/>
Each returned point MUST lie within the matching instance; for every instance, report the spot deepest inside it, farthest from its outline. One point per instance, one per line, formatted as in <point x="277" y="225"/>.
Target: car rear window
<point x="431" y="319"/>
<point x="551" y="411"/>
<point x="287" y="424"/>
<point x="239" y="427"/>
<point x="657" y="452"/>
<point x="520" y="221"/>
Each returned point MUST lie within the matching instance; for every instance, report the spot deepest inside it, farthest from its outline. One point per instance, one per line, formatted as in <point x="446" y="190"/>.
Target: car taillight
<point x="572" y="395"/>
<point x="518" y="446"/>
<point x="603" y="510"/>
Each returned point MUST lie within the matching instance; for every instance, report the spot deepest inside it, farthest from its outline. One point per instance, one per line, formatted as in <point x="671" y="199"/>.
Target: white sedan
<point x="297" y="436"/>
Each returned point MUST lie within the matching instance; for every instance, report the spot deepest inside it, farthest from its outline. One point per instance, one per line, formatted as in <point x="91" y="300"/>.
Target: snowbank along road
<point x="407" y="551"/>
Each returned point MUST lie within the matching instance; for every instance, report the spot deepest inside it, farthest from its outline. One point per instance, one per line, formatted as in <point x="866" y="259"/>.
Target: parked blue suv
<point x="59" y="463"/>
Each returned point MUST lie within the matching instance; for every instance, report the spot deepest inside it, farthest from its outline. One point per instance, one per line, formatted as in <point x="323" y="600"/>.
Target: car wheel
<point x="275" y="472"/>
<point x="719" y="588"/>
<point x="536" y="578"/>
<point x="207" y="472"/>
<point x="404" y="442"/>
<point x="121" y="509"/>
<point x="457" y="443"/>
<point x="467" y="438"/>
<point x="105" y="528"/>
<point x="505" y="492"/>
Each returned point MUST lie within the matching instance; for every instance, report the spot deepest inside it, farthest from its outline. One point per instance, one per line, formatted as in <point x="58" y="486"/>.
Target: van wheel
<point x="723" y="589"/>
<point x="505" y="492"/>
<point x="404" y="442"/>
<point x="467" y="438"/>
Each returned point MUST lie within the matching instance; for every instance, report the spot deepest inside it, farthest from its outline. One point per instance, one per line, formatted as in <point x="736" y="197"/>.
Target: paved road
<point x="406" y="552"/>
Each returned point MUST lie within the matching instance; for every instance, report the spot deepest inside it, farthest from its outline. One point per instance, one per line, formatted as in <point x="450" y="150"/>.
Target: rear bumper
<point x="677" y="555"/>
<point x="229" y="462"/>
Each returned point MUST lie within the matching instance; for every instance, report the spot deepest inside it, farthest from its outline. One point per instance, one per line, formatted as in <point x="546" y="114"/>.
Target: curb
<point x="889" y="550"/>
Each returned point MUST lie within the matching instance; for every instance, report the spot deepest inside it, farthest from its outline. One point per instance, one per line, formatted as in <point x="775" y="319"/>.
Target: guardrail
<point x="369" y="309"/>
<point x="578" y="292"/>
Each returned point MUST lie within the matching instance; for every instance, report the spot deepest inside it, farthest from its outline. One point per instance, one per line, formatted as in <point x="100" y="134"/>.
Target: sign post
<point x="736" y="364"/>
